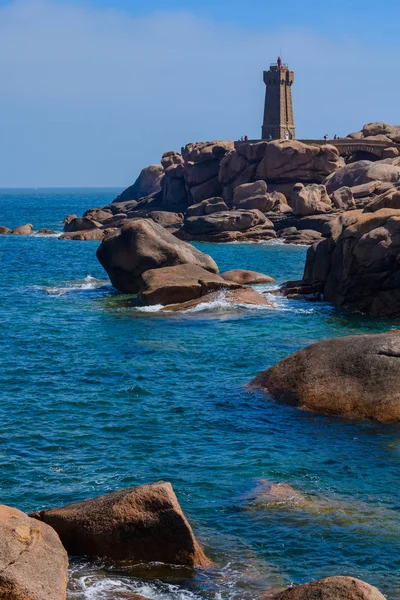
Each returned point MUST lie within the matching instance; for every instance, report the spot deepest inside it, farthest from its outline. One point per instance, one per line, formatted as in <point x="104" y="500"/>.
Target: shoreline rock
<point x="33" y="562"/>
<point x="140" y="524"/>
<point x="355" y="377"/>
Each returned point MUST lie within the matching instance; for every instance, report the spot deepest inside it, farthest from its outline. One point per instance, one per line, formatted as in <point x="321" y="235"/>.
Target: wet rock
<point x="23" y="230"/>
<point x="148" y="183"/>
<point x="142" y="245"/>
<point x="171" y="285"/>
<point x="241" y="296"/>
<point x="309" y="200"/>
<point x="206" y="207"/>
<point x="331" y="588"/>
<point x="46" y="231"/>
<point x="147" y="525"/>
<point x="244" y="277"/>
<point x="353" y="377"/>
<point x="80" y="224"/>
<point x="33" y="562"/>
<point x="4" y="230"/>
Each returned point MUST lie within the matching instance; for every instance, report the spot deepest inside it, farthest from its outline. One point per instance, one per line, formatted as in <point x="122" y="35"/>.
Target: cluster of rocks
<point x="26" y="229"/>
<point x="356" y="264"/>
<point x="141" y="524"/>
<point x="144" y="258"/>
<point x="380" y="132"/>
<point x="224" y="191"/>
<point x="144" y="524"/>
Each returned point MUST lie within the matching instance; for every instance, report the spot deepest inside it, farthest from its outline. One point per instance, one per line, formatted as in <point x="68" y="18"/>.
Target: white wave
<point x="47" y="235"/>
<point x="153" y="308"/>
<point x="88" y="283"/>
<point x="93" y="586"/>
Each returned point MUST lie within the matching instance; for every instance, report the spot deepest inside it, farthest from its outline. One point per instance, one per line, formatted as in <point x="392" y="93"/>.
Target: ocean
<point x="99" y="395"/>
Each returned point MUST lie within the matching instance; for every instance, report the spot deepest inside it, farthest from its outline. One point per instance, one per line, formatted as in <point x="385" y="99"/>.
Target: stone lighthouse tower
<point x="278" y="110"/>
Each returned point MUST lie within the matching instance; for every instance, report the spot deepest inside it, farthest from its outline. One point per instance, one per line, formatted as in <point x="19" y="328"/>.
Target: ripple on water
<point x="97" y="395"/>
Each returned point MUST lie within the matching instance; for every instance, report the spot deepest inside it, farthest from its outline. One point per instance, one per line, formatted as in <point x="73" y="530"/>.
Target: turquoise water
<point x="98" y="395"/>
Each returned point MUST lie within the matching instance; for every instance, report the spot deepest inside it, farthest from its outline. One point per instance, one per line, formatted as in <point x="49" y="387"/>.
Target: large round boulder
<point x="142" y="245"/>
<point x="355" y="377"/>
<point x="331" y="588"/>
<point x="33" y="562"/>
<point x="141" y="524"/>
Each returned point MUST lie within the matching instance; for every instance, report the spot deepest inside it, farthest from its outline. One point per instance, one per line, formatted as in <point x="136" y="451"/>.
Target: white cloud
<point x="90" y="96"/>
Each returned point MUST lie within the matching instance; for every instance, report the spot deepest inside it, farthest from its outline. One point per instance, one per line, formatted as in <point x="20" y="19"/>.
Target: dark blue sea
<point x="97" y="395"/>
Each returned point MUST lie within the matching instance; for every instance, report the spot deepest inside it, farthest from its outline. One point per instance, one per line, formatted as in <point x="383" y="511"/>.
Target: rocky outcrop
<point x="389" y="199"/>
<point x="201" y="167"/>
<point x="33" y="562"/>
<point x="81" y="224"/>
<point x="140" y="524"/>
<point x="234" y="220"/>
<point x="362" y="172"/>
<point x="244" y="277"/>
<point x="354" y="377"/>
<point x="147" y="184"/>
<point x="23" y="230"/>
<point x="169" y="220"/>
<point x="357" y="267"/>
<point x="4" y="230"/>
<point x="309" y="200"/>
<point x="171" y="285"/>
<point x="46" y="231"/>
<point x="378" y="128"/>
<point x="142" y="245"/>
<point x="294" y="161"/>
<point x="331" y="588"/>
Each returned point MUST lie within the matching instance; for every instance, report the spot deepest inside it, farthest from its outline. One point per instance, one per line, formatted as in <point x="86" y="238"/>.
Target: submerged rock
<point x="142" y="245"/>
<point x="181" y="283"/>
<point x="331" y="588"/>
<point x="33" y="562"/>
<point x="244" y="277"/>
<point x="354" y="377"/>
<point x="46" y="231"/>
<point x="140" y="524"/>
<point x="244" y="296"/>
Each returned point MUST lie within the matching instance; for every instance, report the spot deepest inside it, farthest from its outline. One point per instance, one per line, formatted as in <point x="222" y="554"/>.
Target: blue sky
<point x="93" y="90"/>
